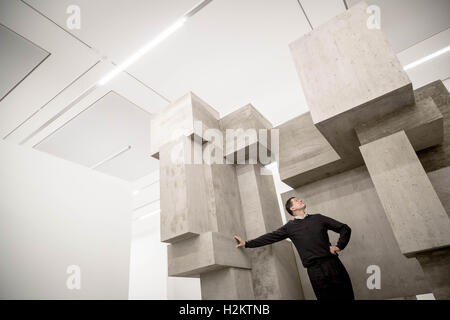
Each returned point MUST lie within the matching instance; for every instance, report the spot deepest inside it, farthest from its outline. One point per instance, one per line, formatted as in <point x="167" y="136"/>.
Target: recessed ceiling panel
<point x="108" y="126"/>
<point x="407" y="22"/>
<point x="18" y="58"/>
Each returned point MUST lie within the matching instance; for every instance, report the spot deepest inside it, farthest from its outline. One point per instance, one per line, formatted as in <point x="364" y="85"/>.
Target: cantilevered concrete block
<point x="438" y="156"/>
<point x="350" y="197"/>
<point x="304" y="153"/>
<point x="196" y="198"/>
<point x="206" y="252"/>
<point x="274" y="271"/>
<point x="422" y="123"/>
<point x="187" y="116"/>
<point x="246" y="136"/>
<point x="349" y="75"/>
<point x="227" y="284"/>
<point x="417" y="216"/>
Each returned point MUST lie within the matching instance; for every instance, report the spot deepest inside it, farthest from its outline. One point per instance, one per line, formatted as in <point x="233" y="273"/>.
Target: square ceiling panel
<point x="100" y="132"/>
<point x="18" y="58"/>
<point x="407" y="22"/>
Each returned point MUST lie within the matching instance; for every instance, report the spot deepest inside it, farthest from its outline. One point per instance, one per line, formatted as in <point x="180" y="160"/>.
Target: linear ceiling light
<point x="426" y="58"/>
<point x="119" y="68"/>
<point x="153" y="43"/>
<point x="114" y="155"/>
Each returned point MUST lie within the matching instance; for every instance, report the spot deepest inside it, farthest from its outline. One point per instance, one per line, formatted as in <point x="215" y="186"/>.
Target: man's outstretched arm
<point x="265" y="239"/>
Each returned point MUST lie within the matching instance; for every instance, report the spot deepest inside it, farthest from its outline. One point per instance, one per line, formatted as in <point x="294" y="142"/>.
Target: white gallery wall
<point x="148" y="259"/>
<point x="55" y="214"/>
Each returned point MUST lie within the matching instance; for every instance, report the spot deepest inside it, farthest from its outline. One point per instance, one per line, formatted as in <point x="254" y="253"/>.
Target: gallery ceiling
<point x="230" y="53"/>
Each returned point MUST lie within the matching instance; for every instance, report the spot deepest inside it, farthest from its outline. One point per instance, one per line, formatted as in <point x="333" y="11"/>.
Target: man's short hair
<point x="288" y="205"/>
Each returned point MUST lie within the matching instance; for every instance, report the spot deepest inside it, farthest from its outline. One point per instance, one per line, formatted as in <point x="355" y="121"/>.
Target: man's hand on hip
<point x="334" y="249"/>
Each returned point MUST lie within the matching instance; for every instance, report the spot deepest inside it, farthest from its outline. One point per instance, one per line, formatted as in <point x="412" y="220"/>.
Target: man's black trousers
<point x="330" y="280"/>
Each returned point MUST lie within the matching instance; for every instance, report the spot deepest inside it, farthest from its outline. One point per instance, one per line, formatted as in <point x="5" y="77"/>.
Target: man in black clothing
<point x="308" y="232"/>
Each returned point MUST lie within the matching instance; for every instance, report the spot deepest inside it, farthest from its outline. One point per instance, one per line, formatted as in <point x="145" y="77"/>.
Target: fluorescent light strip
<point x="153" y="43"/>
<point x="426" y="58"/>
<point x="121" y="67"/>
<point x="111" y="157"/>
<point x="141" y="52"/>
<point x="56" y="116"/>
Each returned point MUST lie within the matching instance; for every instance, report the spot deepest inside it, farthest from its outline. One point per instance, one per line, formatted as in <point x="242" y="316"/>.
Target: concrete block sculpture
<point x="368" y="115"/>
<point x="367" y="154"/>
<point x="201" y="207"/>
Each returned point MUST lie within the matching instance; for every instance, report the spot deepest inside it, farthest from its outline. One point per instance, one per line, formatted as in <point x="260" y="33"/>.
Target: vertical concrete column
<point x="227" y="284"/>
<point x="274" y="270"/>
<point x="200" y="202"/>
<point x="186" y="193"/>
<point x="418" y="219"/>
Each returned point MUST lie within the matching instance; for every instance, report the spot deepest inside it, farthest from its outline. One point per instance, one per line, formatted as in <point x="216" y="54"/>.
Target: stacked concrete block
<point x="247" y="136"/>
<point x="208" y="252"/>
<point x="417" y="216"/>
<point x="304" y="154"/>
<point x="182" y="117"/>
<point x="359" y="94"/>
<point x="437" y="157"/>
<point x="200" y="202"/>
<point x="201" y="207"/>
<point x="420" y="223"/>
<point x="274" y="269"/>
<point x="186" y="210"/>
<point x="351" y="197"/>
<point x="349" y="74"/>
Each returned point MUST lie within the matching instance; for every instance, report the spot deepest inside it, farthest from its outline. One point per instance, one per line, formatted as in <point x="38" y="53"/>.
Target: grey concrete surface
<point x="436" y="157"/>
<point x="417" y="216"/>
<point x="179" y="119"/>
<point x="440" y="179"/>
<point x="305" y="155"/>
<point x="422" y="123"/>
<point x="227" y="284"/>
<point x="359" y="72"/>
<point x="273" y="267"/>
<point x="245" y="123"/>
<point x="186" y="194"/>
<point x="350" y="197"/>
<point x="206" y="252"/>
<point x="436" y="266"/>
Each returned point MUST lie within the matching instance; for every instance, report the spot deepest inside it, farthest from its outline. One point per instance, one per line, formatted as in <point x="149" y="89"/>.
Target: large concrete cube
<point x="244" y="139"/>
<point x="349" y="74"/>
<point x="304" y="153"/>
<point x="188" y="116"/>
<point x="186" y="193"/>
<point x="227" y="284"/>
<point x="422" y="123"/>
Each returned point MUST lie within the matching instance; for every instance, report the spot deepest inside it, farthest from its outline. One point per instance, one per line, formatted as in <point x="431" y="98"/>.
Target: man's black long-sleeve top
<point x="309" y="236"/>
